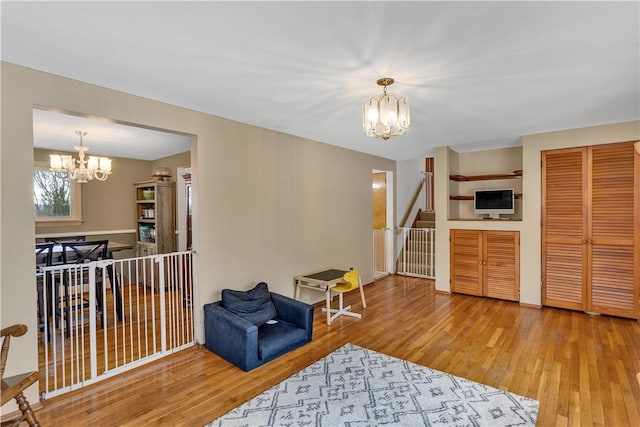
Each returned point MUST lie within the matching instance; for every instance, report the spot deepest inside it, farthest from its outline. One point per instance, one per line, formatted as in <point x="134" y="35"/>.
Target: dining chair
<point x="351" y="282"/>
<point x="58" y="241"/>
<point x="74" y="298"/>
<point x="13" y="387"/>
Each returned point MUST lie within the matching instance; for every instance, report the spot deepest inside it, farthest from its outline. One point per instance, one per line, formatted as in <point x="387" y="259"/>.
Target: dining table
<point x="112" y="246"/>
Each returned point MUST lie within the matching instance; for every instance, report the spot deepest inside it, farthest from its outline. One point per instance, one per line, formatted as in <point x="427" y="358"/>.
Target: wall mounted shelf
<point x="464" y="178"/>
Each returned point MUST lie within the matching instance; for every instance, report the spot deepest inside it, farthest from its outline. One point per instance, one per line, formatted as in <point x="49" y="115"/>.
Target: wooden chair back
<point x="81" y="252"/>
<point x="14" y="386"/>
<point x="44" y="255"/>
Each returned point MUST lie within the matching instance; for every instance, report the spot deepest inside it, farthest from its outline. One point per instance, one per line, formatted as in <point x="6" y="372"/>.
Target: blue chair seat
<point x="279" y="338"/>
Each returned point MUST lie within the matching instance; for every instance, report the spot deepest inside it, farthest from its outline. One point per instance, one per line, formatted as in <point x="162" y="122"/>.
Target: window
<point x="56" y="198"/>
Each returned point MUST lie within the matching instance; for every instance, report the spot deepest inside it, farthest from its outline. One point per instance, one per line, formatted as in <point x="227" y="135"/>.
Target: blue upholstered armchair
<point x="251" y="328"/>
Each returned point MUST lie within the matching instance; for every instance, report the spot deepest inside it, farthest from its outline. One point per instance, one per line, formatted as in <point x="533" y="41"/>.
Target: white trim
<point x="181" y="229"/>
<point x="388" y="246"/>
<point x="87" y="233"/>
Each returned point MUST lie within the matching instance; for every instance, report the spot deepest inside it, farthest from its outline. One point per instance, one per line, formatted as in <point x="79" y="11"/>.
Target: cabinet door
<point x="466" y="262"/>
<point x="564" y="231"/>
<point x="613" y="229"/>
<point x="502" y="264"/>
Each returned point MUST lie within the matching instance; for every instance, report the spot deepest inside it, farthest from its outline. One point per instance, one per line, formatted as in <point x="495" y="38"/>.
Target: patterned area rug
<point x="357" y="387"/>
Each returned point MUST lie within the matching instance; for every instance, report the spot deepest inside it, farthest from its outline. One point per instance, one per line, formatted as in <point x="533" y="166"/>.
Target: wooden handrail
<point x="413" y="202"/>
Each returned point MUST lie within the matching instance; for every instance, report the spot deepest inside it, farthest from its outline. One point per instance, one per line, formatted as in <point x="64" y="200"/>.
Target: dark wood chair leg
<point x="67" y="310"/>
<point x="27" y="413"/>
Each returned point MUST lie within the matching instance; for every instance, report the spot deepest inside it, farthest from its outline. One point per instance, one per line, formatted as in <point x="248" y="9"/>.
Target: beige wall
<point x="267" y="206"/>
<point x="529" y="227"/>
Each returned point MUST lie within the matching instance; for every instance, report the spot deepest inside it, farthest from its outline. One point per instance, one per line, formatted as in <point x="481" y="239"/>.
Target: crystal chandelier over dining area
<point x="81" y="170"/>
<point x="385" y="115"/>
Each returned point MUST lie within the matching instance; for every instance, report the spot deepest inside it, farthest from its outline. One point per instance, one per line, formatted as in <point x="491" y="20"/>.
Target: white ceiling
<point x="56" y="131"/>
<point x="477" y="74"/>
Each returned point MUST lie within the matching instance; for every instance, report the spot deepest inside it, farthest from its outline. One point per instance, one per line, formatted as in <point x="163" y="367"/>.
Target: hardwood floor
<point x="584" y="370"/>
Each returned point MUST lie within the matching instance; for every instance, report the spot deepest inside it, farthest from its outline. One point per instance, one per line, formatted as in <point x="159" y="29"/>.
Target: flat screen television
<point x="493" y="202"/>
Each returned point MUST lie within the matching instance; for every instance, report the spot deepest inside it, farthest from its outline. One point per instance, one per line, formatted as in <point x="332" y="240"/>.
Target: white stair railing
<point x="92" y="331"/>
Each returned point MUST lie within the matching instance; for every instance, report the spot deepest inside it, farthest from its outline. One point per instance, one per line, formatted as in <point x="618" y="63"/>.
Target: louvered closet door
<point x="466" y="262"/>
<point x="502" y="264"/>
<point x="613" y="193"/>
<point x="564" y="233"/>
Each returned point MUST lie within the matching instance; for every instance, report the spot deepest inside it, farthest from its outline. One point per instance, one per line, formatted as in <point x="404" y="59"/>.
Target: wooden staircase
<point x="425" y="220"/>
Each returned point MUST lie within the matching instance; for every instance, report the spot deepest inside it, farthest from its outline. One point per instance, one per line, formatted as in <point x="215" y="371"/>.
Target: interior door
<point x="564" y="228"/>
<point x="379" y="197"/>
<point x="613" y="191"/>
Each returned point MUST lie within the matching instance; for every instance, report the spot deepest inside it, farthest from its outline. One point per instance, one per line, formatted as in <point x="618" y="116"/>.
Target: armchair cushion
<point x="278" y="338"/>
<point x="253" y="305"/>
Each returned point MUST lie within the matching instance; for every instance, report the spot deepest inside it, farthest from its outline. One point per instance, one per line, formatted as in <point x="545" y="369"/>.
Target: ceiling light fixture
<point x="386" y="115"/>
<point x="86" y="170"/>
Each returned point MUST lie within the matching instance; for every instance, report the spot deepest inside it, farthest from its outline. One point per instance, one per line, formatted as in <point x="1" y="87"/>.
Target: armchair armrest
<point x="294" y="312"/>
<point x="230" y="336"/>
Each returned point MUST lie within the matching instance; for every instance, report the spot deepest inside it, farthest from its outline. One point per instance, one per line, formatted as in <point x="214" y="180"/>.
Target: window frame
<point x="75" y="217"/>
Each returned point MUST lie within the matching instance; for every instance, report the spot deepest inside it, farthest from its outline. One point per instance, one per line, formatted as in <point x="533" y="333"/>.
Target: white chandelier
<point x="386" y="115"/>
<point x="94" y="168"/>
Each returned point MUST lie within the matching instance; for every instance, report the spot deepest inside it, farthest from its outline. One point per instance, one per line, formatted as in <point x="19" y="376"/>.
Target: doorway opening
<point x="119" y="301"/>
<point x="382" y="197"/>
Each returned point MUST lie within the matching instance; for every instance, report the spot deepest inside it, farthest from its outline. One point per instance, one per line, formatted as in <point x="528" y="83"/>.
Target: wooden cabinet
<point x="590" y="229"/>
<point x="155" y="217"/>
<point x="486" y="263"/>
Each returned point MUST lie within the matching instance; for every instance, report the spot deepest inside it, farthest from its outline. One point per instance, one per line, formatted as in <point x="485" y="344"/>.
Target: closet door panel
<point x="564" y="278"/>
<point x="564" y="228"/>
<point x="612" y="281"/>
<point x="466" y="262"/>
<point x="564" y="175"/>
<point x="612" y="195"/>
<point x="612" y="230"/>
<point x="502" y="268"/>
